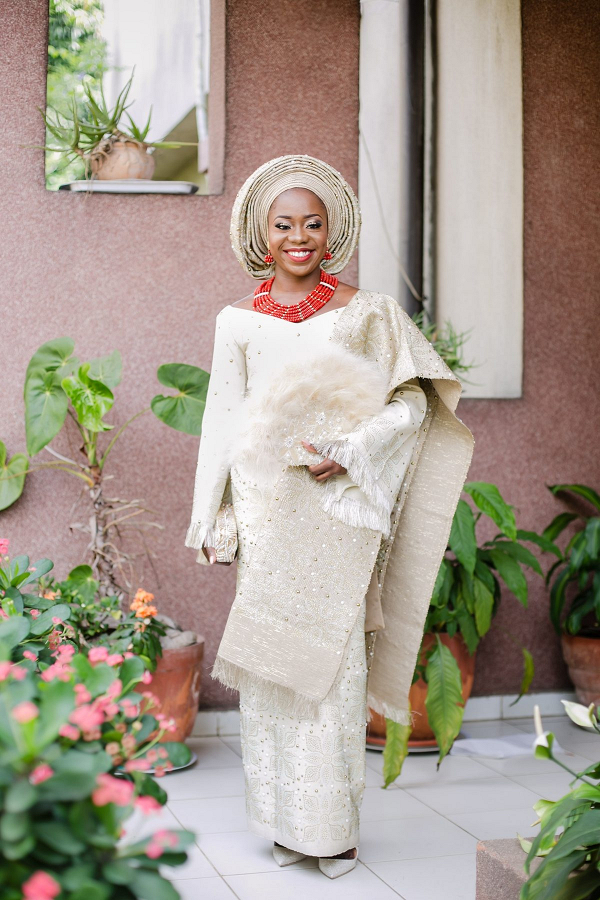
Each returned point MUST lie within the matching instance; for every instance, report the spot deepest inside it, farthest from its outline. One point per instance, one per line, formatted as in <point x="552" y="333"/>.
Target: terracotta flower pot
<point x="422" y="734"/>
<point x="176" y="682"/>
<point x="582" y="656"/>
<point x="121" y="159"/>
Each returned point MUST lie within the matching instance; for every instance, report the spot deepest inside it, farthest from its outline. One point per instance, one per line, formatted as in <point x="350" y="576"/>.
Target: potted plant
<point x="569" y="838"/>
<point x="59" y="388"/>
<point x="76" y="744"/>
<point x="173" y="655"/>
<point x="465" y="599"/>
<point x="575" y="591"/>
<point x="97" y="134"/>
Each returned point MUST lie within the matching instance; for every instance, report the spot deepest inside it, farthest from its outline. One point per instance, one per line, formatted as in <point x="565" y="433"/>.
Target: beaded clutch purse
<point x="225" y="531"/>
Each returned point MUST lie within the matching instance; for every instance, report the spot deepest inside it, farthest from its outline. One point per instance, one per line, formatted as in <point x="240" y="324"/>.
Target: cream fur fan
<point x="318" y="400"/>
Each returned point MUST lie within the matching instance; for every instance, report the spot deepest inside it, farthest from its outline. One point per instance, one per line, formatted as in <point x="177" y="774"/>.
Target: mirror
<point x="127" y="95"/>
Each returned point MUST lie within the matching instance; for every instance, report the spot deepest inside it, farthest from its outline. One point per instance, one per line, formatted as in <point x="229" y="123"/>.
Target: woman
<point x="329" y="425"/>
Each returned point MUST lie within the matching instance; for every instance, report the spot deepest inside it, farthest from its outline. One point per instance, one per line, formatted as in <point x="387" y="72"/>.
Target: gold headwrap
<point x="249" y="233"/>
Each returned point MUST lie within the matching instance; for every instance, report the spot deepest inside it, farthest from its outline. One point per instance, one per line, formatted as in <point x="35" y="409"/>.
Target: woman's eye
<point x="315" y="225"/>
<point x="281" y="225"/>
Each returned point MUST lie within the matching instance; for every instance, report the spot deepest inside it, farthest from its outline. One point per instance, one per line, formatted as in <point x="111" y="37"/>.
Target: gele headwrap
<point x="250" y="210"/>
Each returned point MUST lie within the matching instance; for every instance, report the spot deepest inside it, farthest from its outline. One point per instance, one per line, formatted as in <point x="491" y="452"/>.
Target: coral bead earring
<point x="269" y="258"/>
<point x="327" y="255"/>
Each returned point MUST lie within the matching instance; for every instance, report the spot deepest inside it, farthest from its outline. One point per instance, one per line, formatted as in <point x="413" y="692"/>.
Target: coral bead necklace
<point x="297" y="312"/>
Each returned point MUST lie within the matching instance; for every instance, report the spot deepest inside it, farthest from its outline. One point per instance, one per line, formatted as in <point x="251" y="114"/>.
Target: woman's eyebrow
<point x="308" y="216"/>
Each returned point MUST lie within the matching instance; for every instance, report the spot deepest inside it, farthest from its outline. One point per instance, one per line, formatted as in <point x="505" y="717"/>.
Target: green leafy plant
<point x="570" y="866"/>
<point x="77" y="742"/>
<point x="465" y="599"/>
<point x="447" y="342"/>
<point x="578" y="567"/>
<point x="58" y="386"/>
<point x="91" y="128"/>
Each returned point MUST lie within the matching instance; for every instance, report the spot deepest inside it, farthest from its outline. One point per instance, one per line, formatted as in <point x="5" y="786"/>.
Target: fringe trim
<point x="356" y="514"/>
<point x="200" y="535"/>
<point x="401" y="716"/>
<point x="345" y="454"/>
<point x="287" y="701"/>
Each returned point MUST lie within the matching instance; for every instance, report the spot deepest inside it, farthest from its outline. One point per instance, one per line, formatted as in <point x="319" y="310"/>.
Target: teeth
<point x="299" y="253"/>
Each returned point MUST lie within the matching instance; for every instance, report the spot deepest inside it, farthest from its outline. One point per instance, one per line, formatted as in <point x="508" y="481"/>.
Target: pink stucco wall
<point x="147" y="274"/>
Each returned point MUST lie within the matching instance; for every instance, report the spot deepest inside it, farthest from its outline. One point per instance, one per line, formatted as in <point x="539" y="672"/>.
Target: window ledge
<point x="131" y="186"/>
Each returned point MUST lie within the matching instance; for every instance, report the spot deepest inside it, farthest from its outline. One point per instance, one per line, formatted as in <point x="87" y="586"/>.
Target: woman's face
<point x="298" y="231"/>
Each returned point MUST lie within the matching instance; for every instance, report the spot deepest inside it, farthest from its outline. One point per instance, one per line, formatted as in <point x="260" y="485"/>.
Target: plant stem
<point x="118" y="434"/>
<point x="570" y="771"/>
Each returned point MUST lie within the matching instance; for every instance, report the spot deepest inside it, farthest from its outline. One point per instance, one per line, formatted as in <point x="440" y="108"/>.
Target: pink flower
<point x="56" y="620"/>
<point x="130" y="710"/>
<point x="34" y="613"/>
<point x="29" y="655"/>
<point x="115" y="659"/>
<point x="41" y="773"/>
<point x="82" y="695"/>
<point x="112" y="790"/>
<point x="65" y="652"/>
<point x="69" y="731"/>
<point x="98" y="654"/>
<point x="87" y="717"/>
<point x="4" y="545"/>
<point x="146" y="677"/>
<point x="114" y="689"/>
<point x="154" y="850"/>
<point x="148" y="805"/>
<point x="40" y="886"/>
<point x="137" y="765"/>
<point x="5" y="668"/>
<point x="159" y="842"/>
<point x="25" y="712"/>
<point x="128" y="654"/>
<point x="18" y="673"/>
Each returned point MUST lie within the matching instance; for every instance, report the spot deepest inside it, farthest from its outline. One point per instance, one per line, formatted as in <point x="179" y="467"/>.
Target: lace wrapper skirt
<point x="304" y="778"/>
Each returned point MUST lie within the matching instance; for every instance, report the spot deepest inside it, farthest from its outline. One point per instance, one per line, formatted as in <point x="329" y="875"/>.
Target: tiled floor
<point x="418" y="837"/>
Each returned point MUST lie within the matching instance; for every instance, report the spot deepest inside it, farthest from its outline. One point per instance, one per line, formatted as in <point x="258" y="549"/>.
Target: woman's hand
<point x="323" y="470"/>
<point x="211" y="555"/>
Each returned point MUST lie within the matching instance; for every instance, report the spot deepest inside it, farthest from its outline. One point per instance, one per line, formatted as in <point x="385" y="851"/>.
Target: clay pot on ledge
<point x="117" y="160"/>
<point x="177" y="682"/>
<point x="582" y="656"/>
<point x="422" y="735"/>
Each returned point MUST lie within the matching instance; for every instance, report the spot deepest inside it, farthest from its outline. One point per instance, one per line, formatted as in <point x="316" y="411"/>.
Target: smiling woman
<point x="322" y="401"/>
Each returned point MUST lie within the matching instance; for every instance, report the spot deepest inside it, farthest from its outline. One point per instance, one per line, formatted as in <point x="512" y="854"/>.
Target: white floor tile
<point x="234" y="744"/>
<point x="139" y="826"/>
<point x="493" y="728"/>
<point x="443" y="878"/>
<point x="206" y="723"/>
<point x="297" y="884"/>
<point x="243" y="853"/>
<point x="213" y="752"/>
<point x="528" y="764"/>
<point x="498" y="823"/>
<point x="228" y="722"/>
<point x="429" y="836"/>
<point x="197" y="866"/>
<point x="201" y="782"/>
<point x="463" y="796"/>
<point x="550" y="785"/>
<point x="422" y="770"/>
<point x="211" y="816"/>
<point x="204" y="889"/>
<point x="391" y="803"/>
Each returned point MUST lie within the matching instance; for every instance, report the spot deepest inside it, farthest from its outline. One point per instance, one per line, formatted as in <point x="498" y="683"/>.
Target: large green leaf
<point x="467" y="627"/>
<point x="179" y="754"/>
<point x="38" y="568"/>
<point x="91" y="399"/>
<point x="581" y="490"/>
<point x="59" y="836"/>
<point x="152" y="886"/>
<point x="12" y="477"/>
<point x="462" y="536"/>
<point x="557" y="597"/>
<point x="57" y="702"/>
<point x="395" y="750"/>
<point x="184" y="411"/>
<point x="592" y="535"/>
<point x="107" y="369"/>
<point x="558" y="525"/>
<point x="490" y="501"/>
<point x="511" y="573"/>
<point x="14" y="630"/>
<point x="528" y="673"/>
<point x="542" y="542"/>
<point x="54" y="356"/>
<point x="81" y="579"/>
<point x="444" y="701"/>
<point x="67" y="786"/>
<point x="45" y="408"/>
<point x="44" y="622"/>
<point x="520" y="553"/>
<point x="548" y="882"/>
<point x="484" y="604"/>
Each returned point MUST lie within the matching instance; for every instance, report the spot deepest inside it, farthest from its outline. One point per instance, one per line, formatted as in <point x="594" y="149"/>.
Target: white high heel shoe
<point x="285" y="857"/>
<point x="333" y="868"/>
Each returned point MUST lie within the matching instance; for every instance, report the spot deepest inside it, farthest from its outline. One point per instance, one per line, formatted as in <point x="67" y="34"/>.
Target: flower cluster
<point x="142" y="606"/>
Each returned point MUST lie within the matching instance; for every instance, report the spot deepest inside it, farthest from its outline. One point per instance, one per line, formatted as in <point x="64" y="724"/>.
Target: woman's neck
<point x="288" y="289"/>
